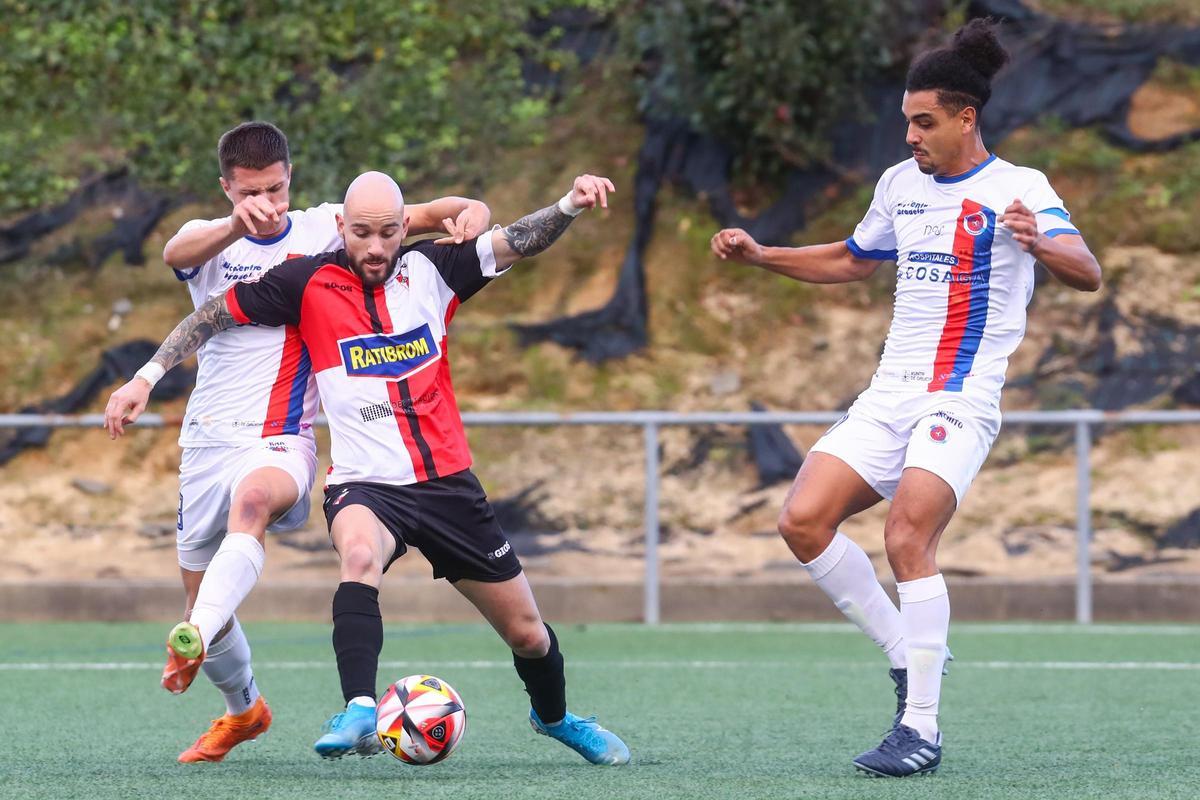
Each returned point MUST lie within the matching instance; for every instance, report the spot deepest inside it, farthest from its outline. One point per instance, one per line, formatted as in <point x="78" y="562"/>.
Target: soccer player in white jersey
<point x="965" y="229"/>
<point x="249" y="456"/>
<point x="376" y="317"/>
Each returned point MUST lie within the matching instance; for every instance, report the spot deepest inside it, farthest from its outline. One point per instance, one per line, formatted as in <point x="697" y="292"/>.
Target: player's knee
<point x="252" y="507"/>
<point x="359" y="560"/>
<point x="804" y="530"/>
<point x="528" y="639"/>
<point x="906" y="544"/>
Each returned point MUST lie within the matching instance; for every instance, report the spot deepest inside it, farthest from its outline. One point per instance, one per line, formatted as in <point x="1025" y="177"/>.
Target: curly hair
<point x="961" y="73"/>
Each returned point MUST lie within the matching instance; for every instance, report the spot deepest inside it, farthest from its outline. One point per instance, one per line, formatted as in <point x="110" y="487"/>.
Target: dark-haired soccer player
<point x="374" y="318"/>
<point x="964" y="228"/>
<point x="249" y="457"/>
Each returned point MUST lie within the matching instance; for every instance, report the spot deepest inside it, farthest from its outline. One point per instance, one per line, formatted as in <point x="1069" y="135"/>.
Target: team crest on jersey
<point x="389" y="355"/>
<point x="937" y="433"/>
<point x="975" y="224"/>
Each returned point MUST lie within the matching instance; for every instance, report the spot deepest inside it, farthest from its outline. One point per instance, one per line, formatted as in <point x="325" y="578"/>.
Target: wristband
<point x="151" y="373"/>
<point x="567" y="207"/>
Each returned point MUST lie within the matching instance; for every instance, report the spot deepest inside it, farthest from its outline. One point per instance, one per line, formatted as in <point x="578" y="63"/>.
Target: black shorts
<point x="448" y="519"/>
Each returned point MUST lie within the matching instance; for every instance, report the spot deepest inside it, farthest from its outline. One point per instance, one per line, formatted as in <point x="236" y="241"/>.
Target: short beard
<point x="927" y="169"/>
<point x="358" y="270"/>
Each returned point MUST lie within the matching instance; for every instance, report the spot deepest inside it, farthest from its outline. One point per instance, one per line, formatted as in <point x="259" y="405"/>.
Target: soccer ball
<point x="420" y="719"/>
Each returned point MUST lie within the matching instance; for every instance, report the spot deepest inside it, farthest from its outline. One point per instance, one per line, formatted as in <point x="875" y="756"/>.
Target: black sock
<point x="545" y="682"/>
<point x="357" y="637"/>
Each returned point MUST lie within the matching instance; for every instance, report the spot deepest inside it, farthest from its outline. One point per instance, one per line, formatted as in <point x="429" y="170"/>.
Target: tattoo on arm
<point x="535" y="232"/>
<point x="201" y="325"/>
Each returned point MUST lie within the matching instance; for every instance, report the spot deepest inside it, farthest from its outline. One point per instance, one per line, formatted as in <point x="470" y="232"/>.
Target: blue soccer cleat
<point x="901" y="753"/>
<point x="585" y="736"/>
<point x="900" y="678"/>
<point x="352" y="731"/>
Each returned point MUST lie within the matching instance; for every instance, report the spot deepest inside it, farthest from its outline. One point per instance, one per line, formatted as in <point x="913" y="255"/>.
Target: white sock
<point x="230" y="576"/>
<point x="227" y="665"/>
<point x="925" y="618"/>
<point x="845" y="574"/>
<point x="361" y="700"/>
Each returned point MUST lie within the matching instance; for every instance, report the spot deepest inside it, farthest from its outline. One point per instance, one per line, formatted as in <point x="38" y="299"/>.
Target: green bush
<point x="768" y="77"/>
<point x="420" y="88"/>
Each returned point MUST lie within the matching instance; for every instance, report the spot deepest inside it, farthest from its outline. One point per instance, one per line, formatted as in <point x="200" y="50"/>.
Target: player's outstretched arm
<point x="1066" y="256"/>
<point x="127" y="403"/>
<point x="534" y="232"/>
<point x="820" y="263"/>
<point x="197" y="244"/>
<point x="459" y="217"/>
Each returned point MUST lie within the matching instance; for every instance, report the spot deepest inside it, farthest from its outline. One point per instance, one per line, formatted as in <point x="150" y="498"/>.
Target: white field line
<point x="973" y="628"/>
<point x="632" y="664"/>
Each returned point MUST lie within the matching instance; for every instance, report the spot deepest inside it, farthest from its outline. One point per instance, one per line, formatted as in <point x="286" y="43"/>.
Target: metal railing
<point x="651" y="421"/>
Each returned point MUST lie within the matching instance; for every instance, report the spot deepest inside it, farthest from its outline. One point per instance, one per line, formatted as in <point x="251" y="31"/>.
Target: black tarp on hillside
<point x="121" y="362"/>
<point x="1081" y="74"/>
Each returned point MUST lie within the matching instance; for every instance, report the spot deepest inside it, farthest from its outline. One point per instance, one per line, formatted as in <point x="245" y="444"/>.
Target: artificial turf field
<point x="709" y="711"/>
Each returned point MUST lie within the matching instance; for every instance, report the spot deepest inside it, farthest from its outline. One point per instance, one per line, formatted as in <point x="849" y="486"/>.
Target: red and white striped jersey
<point x="962" y="280"/>
<point x="254" y="382"/>
<point x="379" y="354"/>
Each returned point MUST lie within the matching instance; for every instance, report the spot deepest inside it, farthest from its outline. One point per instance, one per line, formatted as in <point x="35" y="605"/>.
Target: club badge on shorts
<point x="937" y="433"/>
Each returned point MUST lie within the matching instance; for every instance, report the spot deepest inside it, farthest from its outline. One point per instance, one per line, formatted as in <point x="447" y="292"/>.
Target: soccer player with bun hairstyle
<point x="964" y="229"/>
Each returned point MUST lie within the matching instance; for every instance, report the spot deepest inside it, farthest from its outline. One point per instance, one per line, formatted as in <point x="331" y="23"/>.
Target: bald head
<point x="374" y="190"/>
<point x="373" y="225"/>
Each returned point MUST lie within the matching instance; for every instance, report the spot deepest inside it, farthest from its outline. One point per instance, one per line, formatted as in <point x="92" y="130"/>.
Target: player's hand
<point x="471" y="222"/>
<point x="255" y="215"/>
<point x="590" y="191"/>
<point x="1023" y="224"/>
<point x="125" y="406"/>
<point x="735" y="243"/>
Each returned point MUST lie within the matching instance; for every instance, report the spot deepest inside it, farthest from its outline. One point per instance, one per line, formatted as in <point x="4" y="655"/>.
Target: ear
<point x="226" y="189"/>
<point x="969" y="119"/>
<point x="404" y="230"/>
<point x="341" y="226"/>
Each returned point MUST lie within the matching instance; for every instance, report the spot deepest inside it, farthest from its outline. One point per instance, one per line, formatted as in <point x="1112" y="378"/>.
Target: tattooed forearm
<point x="535" y="232"/>
<point x="201" y="325"/>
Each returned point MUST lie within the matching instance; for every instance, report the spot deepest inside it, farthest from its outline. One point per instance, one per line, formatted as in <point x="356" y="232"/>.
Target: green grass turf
<point x="708" y="711"/>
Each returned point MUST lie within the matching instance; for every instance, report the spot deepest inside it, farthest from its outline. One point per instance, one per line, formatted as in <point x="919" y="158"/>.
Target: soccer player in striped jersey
<point x="249" y="456"/>
<point x="375" y="318"/>
<point x="964" y="228"/>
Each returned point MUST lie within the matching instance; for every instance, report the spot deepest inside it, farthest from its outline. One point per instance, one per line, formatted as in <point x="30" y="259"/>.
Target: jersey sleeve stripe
<point x="235" y="308"/>
<point x="1060" y="231"/>
<point x="874" y="255"/>
<point x="186" y="275"/>
<point x="1061" y="213"/>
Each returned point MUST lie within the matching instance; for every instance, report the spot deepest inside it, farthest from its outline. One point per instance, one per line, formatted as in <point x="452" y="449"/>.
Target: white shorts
<point x="208" y="478"/>
<point x="884" y="433"/>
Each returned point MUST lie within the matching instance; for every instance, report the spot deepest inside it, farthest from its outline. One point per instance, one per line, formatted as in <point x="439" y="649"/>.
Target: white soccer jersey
<point x="254" y="382"/>
<point x="962" y="280"/>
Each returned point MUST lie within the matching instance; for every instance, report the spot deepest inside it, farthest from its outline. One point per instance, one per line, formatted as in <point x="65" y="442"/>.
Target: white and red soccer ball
<point x="420" y="719"/>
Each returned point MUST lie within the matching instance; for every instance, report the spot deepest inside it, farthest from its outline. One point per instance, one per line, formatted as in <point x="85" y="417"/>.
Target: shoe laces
<point x="334" y="723"/>
<point x="899" y="739"/>
<point x="221" y="728"/>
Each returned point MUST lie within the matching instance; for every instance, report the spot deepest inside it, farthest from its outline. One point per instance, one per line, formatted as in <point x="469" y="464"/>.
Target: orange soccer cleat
<point x="228" y="732"/>
<point x="185" y="654"/>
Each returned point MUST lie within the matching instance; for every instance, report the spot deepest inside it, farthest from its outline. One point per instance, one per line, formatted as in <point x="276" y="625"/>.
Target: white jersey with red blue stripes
<point x="379" y="353"/>
<point x="254" y="382"/>
<point x="963" y="282"/>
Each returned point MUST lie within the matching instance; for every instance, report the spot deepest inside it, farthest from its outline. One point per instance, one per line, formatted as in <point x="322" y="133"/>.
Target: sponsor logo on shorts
<point x="938" y="433"/>
<point x="179" y="515"/>
<point x="278" y="447"/>
<point x="500" y="552"/>
<point x="389" y="355"/>
<point x="952" y="420"/>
